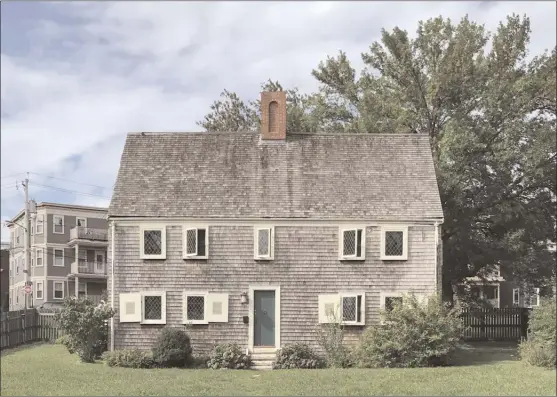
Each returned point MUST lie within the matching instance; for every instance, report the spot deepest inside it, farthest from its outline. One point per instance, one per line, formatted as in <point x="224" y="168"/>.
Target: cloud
<point x="77" y="76"/>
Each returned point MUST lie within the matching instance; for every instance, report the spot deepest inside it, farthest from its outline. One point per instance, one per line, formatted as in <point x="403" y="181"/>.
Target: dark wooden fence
<point x="26" y="326"/>
<point x="508" y="324"/>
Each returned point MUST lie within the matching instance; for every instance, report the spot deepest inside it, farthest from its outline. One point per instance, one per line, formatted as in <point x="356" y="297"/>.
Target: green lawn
<point x="49" y="370"/>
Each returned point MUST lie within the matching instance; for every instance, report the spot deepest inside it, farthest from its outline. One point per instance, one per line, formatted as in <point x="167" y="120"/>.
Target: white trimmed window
<point x="39" y="224"/>
<point x="516" y="296"/>
<point x="58" y="257"/>
<point x="153" y="307"/>
<point x="352" y="244"/>
<point x="388" y="300"/>
<point x="39" y="257"/>
<point x="39" y="287"/>
<point x="153" y="242"/>
<point x="32" y="259"/>
<point x="264" y="243"/>
<point x="204" y="307"/>
<point x="58" y="288"/>
<point x="346" y="307"/>
<point x="196" y="242"/>
<point x="533" y="299"/>
<point x="58" y="224"/>
<point x="394" y="243"/>
<point x="81" y="222"/>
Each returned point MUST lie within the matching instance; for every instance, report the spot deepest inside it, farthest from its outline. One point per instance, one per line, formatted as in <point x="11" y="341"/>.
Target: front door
<point x="264" y="315"/>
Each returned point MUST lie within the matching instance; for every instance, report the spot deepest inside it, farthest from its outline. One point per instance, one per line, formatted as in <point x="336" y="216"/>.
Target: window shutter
<point x="191" y="242"/>
<point x="329" y="304"/>
<point x="217" y="308"/>
<point x="130" y="308"/>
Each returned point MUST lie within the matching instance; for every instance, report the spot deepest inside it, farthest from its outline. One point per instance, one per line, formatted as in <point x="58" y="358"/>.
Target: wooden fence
<point x="508" y="324"/>
<point x="26" y="326"/>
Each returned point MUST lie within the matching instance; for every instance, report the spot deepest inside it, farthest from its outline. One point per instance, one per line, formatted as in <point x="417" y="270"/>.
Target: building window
<point x="194" y="308"/>
<point x="58" y="257"/>
<point x="352" y="309"/>
<point x="154" y="308"/>
<point x="491" y="292"/>
<point x="81" y="222"/>
<point x="82" y="290"/>
<point x="58" y="290"/>
<point x="352" y="244"/>
<point x="153" y="243"/>
<point x="391" y="302"/>
<point x="39" y="290"/>
<point x="39" y="257"/>
<point x="196" y="242"/>
<point x="58" y="224"/>
<point x="516" y="296"/>
<point x="532" y="299"/>
<point x="17" y="266"/>
<point x="263" y="243"/>
<point x="394" y="243"/>
<point x="39" y="225"/>
<point x="32" y="259"/>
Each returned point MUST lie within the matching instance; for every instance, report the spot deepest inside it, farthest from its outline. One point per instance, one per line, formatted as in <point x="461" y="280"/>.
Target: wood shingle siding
<point x="306" y="263"/>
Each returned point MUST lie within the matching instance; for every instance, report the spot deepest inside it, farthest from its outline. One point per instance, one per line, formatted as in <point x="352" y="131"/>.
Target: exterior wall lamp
<point x="244" y="298"/>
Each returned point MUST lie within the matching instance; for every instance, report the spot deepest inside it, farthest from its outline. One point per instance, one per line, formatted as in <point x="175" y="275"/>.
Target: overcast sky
<point x="77" y="76"/>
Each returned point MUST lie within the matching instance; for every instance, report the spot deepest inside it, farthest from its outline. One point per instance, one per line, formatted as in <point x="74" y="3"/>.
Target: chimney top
<point x="273" y="115"/>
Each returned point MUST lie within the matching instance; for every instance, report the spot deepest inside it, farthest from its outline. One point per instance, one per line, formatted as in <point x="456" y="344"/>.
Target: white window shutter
<point x="217" y="308"/>
<point x="130" y="308"/>
<point x="329" y="304"/>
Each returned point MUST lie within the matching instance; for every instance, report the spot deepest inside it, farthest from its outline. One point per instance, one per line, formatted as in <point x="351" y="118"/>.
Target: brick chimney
<point x="273" y="115"/>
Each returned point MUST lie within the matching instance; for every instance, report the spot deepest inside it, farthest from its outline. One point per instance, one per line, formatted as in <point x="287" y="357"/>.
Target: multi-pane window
<point x="263" y="243"/>
<point x="17" y="266"/>
<point x="491" y="292"/>
<point x="39" y="225"/>
<point x="58" y="224"/>
<point x="39" y="290"/>
<point x="195" y="308"/>
<point x="81" y="222"/>
<point x="516" y="296"/>
<point x="196" y="243"/>
<point x="58" y="257"/>
<point x="82" y="290"/>
<point x="352" y="244"/>
<point x="532" y="299"/>
<point x="153" y="308"/>
<point x="153" y="243"/>
<point x="39" y="257"/>
<point x="394" y="243"/>
<point x="352" y="308"/>
<point x="58" y="290"/>
<point x="391" y="302"/>
<point x="204" y="307"/>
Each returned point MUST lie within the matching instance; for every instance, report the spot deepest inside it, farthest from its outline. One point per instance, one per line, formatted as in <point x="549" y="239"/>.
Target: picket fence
<point x="506" y="324"/>
<point x="26" y="326"/>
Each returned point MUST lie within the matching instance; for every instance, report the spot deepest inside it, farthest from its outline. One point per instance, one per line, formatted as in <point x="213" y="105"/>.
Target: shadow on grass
<point x="481" y="353"/>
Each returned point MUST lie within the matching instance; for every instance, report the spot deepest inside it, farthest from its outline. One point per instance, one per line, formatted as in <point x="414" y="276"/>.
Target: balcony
<point x="82" y="267"/>
<point x="90" y="236"/>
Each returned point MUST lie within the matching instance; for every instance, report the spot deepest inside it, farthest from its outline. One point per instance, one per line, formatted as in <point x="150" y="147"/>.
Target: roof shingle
<point x="237" y="175"/>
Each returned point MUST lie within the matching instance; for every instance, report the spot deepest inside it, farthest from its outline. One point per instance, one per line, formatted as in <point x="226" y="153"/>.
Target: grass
<point x="49" y="370"/>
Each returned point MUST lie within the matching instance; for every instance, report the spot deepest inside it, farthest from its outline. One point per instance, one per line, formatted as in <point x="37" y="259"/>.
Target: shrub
<point x="414" y="334"/>
<point x="331" y="339"/>
<point x="228" y="355"/>
<point x="172" y="348"/>
<point x="84" y="325"/>
<point x="539" y="348"/>
<point x="297" y="356"/>
<point x="64" y="340"/>
<point x="129" y="358"/>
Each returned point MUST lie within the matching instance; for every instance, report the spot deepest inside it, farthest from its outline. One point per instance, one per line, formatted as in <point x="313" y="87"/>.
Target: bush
<point x="413" y="334"/>
<point x="331" y="340"/>
<point x="172" y="349"/>
<point x="84" y="325"/>
<point x="129" y="358"/>
<point x="64" y="340"/>
<point x="539" y="348"/>
<point x="297" y="356"/>
<point x="228" y="355"/>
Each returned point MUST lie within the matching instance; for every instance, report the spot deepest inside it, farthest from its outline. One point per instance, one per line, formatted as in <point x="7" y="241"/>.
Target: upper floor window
<point x="58" y="257"/>
<point x="516" y="296"/>
<point x="39" y="257"/>
<point x="81" y="222"/>
<point x="352" y="243"/>
<point x="264" y="243"/>
<point x="153" y="242"/>
<point x="18" y="235"/>
<point x="197" y="242"/>
<point x="394" y="243"/>
<point x="58" y="224"/>
<point x="39" y="224"/>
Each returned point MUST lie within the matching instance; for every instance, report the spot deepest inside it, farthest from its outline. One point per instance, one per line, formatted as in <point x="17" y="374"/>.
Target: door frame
<point x="251" y="322"/>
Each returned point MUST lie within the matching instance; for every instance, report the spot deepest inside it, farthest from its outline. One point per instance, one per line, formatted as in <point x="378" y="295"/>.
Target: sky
<point x="76" y="77"/>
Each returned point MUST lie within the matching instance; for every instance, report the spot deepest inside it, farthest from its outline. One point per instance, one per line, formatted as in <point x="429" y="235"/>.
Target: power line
<point x="69" y="180"/>
<point x="70" y="191"/>
<point x="11" y="176"/>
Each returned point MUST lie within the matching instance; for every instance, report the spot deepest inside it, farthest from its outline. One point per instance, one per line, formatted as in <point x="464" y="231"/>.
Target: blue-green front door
<point x="264" y="306"/>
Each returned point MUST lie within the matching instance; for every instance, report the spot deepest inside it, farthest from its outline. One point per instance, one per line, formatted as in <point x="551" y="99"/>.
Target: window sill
<point x="393" y="258"/>
<point x="58" y="299"/>
<point x="57" y="232"/>
<point x="153" y="257"/>
<point x="263" y="258"/>
<point x="359" y="258"/>
<point x="153" y="322"/>
<point x="195" y="257"/>
<point x="57" y="266"/>
<point x="351" y="324"/>
<point x="195" y="322"/>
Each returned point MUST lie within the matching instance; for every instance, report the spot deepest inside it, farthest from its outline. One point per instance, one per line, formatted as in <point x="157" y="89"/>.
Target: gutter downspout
<point x="436" y="258"/>
<point x="113" y="225"/>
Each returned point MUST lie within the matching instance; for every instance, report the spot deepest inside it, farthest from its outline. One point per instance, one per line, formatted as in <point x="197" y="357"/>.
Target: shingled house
<point x="252" y="237"/>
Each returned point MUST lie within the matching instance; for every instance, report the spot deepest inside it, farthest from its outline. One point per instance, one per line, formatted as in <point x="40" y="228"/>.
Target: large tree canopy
<point x="490" y="112"/>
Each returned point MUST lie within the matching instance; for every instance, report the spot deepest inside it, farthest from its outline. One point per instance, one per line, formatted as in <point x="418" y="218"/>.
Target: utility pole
<point x="26" y="240"/>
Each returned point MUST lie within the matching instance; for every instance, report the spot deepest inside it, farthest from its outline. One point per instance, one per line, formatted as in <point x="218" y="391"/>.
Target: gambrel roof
<point x="314" y="176"/>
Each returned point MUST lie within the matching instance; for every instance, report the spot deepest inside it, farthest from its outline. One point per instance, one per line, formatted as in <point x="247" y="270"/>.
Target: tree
<point x="490" y="114"/>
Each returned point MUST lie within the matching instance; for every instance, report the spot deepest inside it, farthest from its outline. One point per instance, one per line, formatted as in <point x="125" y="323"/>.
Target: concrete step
<point x="262" y="362"/>
<point x="263" y="356"/>
<point x="264" y="350"/>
